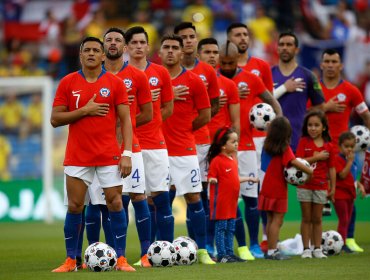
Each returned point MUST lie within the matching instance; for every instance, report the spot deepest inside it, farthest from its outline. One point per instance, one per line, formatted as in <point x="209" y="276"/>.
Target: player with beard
<point x="247" y="155"/>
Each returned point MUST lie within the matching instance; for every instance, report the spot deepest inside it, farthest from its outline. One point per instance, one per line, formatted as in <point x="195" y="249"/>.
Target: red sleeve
<point x="212" y="170"/>
<point x="356" y="98"/>
<point x="300" y="148"/>
<point x="61" y="99"/>
<point x="258" y="86"/>
<point x="332" y="155"/>
<point x="167" y="91"/>
<point x="338" y="164"/>
<point x="213" y="89"/>
<point x="267" y="77"/>
<point x="200" y="96"/>
<point x="288" y="156"/>
<point x="143" y="91"/>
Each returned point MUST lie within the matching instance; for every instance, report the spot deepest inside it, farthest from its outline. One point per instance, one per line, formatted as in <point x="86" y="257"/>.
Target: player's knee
<point x="115" y="204"/>
<point x="192" y="197"/>
<point x="75" y="207"/>
<point x="136" y="197"/>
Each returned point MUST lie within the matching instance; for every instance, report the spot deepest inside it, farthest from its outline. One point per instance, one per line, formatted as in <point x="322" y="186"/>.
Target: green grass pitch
<point x="31" y="250"/>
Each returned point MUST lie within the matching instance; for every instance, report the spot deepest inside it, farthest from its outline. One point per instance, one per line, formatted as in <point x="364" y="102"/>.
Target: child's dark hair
<point x="347" y="135"/>
<point x="321" y="115"/>
<point x="278" y="136"/>
<point x="220" y="139"/>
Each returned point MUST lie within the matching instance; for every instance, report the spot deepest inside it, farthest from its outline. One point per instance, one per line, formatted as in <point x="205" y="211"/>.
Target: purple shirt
<point x="294" y="104"/>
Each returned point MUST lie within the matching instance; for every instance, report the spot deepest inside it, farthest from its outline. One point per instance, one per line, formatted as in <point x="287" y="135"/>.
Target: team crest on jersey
<point x="153" y="81"/>
<point x="222" y="92"/>
<point x="128" y="83"/>
<point x="204" y="79"/>
<point x="256" y="72"/>
<point x="104" y="92"/>
<point x="341" y="97"/>
<point x="242" y="84"/>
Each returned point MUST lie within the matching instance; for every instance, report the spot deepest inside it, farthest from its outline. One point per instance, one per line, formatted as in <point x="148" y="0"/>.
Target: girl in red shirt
<point x="273" y="198"/>
<point x="316" y="148"/>
<point x="345" y="192"/>
<point x="224" y="190"/>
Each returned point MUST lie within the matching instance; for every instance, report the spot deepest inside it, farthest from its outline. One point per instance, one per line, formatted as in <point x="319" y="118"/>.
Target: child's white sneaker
<point x="318" y="254"/>
<point x="307" y="254"/>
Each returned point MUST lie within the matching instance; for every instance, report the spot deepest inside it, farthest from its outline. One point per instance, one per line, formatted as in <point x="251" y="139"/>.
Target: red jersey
<point x="345" y="188"/>
<point x="92" y="139"/>
<point x="223" y="196"/>
<point x="274" y="184"/>
<point x="208" y="76"/>
<point x="222" y="118"/>
<point x="261" y="69"/>
<point x="244" y="78"/>
<point x="137" y="85"/>
<point x="150" y="134"/>
<point x="307" y="148"/>
<point x="346" y="94"/>
<point x="178" y="128"/>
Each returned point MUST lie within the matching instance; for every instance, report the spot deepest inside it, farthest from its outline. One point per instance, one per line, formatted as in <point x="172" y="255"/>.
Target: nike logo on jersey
<point x="228" y="170"/>
<point x="307" y="149"/>
<point x="140" y="221"/>
<point x="76" y="91"/>
<point x="118" y="237"/>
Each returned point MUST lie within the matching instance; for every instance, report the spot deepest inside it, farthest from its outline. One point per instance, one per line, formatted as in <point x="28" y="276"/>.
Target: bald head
<point x="228" y="59"/>
<point x="229" y="49"/>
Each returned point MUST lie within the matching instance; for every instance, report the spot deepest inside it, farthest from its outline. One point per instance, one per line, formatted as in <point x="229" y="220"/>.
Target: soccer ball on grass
<point x="186" y="252"/>
<point x="100" y="257"/>
<point x="332" y="242"/>
<point x="161" y="254"/>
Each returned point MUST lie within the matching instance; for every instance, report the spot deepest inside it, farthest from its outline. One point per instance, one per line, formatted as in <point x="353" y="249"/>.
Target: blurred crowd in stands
<point x="42" y="37"/>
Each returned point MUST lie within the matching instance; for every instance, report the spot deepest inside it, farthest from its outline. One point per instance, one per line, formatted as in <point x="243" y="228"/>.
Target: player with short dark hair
<point x="90" y="101"/>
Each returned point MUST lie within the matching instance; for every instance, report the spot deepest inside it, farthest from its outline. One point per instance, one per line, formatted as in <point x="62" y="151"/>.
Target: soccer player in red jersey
<point x="341" y="98"/>
<point x="229" y="112"/>
<point x="190" y="95"/>
<point x="150" y="135"/>
<point x="90" y="101"/>
<point x="247" y="156"/>
<point x="187" y="31"/>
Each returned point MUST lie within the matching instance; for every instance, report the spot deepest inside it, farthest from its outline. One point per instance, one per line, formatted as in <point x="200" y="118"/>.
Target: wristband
<point x="126" y="153"/>
<point x="279" y="91"/>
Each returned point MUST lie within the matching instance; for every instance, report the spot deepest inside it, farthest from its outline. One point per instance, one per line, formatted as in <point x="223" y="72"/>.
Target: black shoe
<point x="78" y="263"/>
<point x="237" y="259"/>
<point x="277" y="256"/>
<point x="346" y="249"/>
<point x="226" y="259"/>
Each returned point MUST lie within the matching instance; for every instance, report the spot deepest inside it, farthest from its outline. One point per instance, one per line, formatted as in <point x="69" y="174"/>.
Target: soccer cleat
<point x="346" y="249"/>
<point x="264" y="246"/>
<point x="227" y="259"/>
<point x="68" y="266"/>
<point x="123" y="265"/>
<point x="307" y="254"/>
<point x="256" y="251"/>
<point x="351" y="243"/>
<point x="144" y="262"/>
<point x="138" y="263"/>
<point x="276" y="256"/>
<point x="318" y="254"/>
<point x="204" y="258"/>
<point x="237" y="259"/>
<point x="245" y="254"/>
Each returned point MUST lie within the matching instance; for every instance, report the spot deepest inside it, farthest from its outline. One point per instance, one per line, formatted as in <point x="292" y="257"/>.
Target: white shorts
<point x="202" y="151"/>
<point x="258" y="143"/>
<point x="135" y="182"/>
<point x="185" y="174"/>
<point x="247" y="161"/>
<point x="157" y="170"/>
<point x="107" y="176"/>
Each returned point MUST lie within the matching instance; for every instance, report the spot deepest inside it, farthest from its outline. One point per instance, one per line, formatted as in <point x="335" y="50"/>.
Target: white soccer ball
<point x="295" y="176"/>
<point x="188" y="239"/>
<point x="261" y="115"/>
<point x="332" y="242"/>
<point x="362" y="134"/>
<point x="100" y="257"/>
<point x="186" y="252"/>
<point x="161" y="254"/>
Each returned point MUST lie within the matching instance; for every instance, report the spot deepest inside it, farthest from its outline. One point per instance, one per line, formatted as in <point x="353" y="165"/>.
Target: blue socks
<point x="72" y="225"/>
<point x="125" y="203"/>
<point x="172" y="194"/>
<point x="239" y="229"/>
<point x="351" y="226"/>
<point x="252" y="218"/>
<point x="81" y="235"/>
<point x="106" y="225"/>
<point x="153" y="223"/>
<point x="93" y="223"/>
<point x="164" y="217"/>
<point x="142" y="219"/>
<point x="198" y="221"/>
<point x="189" y="227"/>
<point x="119" y="230"/>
